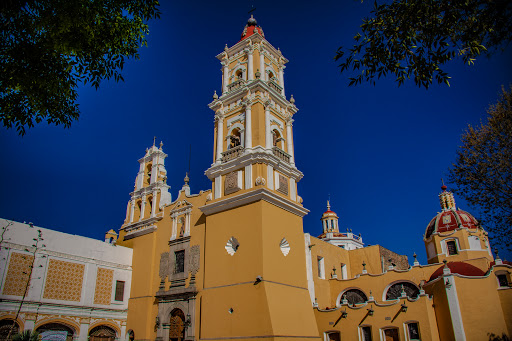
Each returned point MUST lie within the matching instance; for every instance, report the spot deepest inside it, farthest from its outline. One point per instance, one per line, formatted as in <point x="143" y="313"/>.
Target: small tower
<point x="151" y="191"/>
<point x="454" y="234"/>
<point x="111" y="237"/>
<point x="348" y="240"/>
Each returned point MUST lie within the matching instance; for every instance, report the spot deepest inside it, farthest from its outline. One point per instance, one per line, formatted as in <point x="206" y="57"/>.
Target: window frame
<point x="407" y="332"/>
<point x="321" y="267"/>
<point x="181" y="269"/>
<point x="118" y="292"/>
<point x="361" y="332"/>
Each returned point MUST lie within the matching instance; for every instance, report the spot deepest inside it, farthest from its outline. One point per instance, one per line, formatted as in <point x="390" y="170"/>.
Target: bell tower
<point x="254" y="240"/>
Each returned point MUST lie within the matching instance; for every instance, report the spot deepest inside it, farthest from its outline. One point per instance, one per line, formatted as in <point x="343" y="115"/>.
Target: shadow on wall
<point x="494" y="337"/>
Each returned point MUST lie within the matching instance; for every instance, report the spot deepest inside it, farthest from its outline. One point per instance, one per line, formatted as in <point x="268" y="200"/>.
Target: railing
<point x="236" y="85"/>
<point x="232" y="153"/>
<point x="272" y="83"/>
<point x="281" y="154"/>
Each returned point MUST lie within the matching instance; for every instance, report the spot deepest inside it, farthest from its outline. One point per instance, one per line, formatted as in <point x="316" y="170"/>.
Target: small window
<point x="452" y="247"/>
<point x="366" y="333"/>
<point x="503" y="280"/>
<point x="180" y="261"/>
<point x="414" y="331"/>
<point x="333" y="336"/>
<point x="391" y="334"/>
<point x="321" y="272"/>
<point x="119" y="291"/>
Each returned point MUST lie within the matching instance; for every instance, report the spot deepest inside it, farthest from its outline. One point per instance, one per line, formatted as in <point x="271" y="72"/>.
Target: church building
<point x="232" y="262"/>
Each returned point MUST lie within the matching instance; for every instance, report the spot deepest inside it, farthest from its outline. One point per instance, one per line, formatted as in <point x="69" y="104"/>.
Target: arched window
<point x="177" y="325"/>
<point x="102" y="333"/>
<point x="149" y="169"/>
<point x="5" y="328"/>
<point x="354" y="296"/>
<point x="235" y="139"/>
<point x="395" y="290"/>
<point x="239" y="74"/>
<point x="277" y="139"/>
<point x="49" y="331"/>
<point x="270" y="75"/>
<point x="131" y="335"/>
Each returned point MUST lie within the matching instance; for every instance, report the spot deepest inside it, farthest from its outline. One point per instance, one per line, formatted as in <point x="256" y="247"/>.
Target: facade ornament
<point x="209" y="197"/>
<point x="292" y="100"/>
<point x="215" y="96"/>
<point x="260" y="181"/>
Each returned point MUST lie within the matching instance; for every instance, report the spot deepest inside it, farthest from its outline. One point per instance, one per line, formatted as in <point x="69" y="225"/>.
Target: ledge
<point x="254" y="196"/>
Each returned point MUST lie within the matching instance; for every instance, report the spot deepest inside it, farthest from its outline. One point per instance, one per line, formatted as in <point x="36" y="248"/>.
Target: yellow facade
<point x="234" y="263"/>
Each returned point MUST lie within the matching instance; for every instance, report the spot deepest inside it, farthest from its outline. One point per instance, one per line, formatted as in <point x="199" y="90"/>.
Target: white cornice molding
<point x="253" y="86"/>
<point x="138" y="224"/>
<point x="251" y="40"/>
<point x="257" y="154"/>
<point x="150" y="156"/>
<point x="253" y="196"/>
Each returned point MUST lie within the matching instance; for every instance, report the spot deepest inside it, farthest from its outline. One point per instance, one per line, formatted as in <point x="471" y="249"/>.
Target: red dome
<point x="460" y="268"/>
<point x="249" y="31"/>
<point x="450" y="220"/>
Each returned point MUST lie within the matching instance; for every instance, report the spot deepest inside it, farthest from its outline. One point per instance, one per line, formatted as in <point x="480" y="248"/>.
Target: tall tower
<point x="255" y="282"/>
<point x="151" y="192"/>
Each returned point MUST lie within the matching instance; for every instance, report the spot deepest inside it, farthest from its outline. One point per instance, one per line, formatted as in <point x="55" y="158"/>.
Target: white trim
<point x="454" y="307"/>
<point x="253" y="196"/>
<point x="218" y="181"/>
<point x="248" y="176"/>
<point x="270" y="177"/>
<point x="309" y="268"/>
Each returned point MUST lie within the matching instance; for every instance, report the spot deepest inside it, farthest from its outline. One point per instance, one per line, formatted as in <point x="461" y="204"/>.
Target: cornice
<point x="253" y="155"/>
<point x="255" y="38"/>
<point x="150" y="155"/>
<point x="254" y="196"/>
<point x="138" y="224"/>
<point x="253" y="86"/>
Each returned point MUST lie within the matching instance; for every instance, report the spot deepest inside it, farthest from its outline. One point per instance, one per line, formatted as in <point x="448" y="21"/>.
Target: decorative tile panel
<point x="64" y="281"/>
<point x="103" y="291"/>
<point x="17" y="274"/>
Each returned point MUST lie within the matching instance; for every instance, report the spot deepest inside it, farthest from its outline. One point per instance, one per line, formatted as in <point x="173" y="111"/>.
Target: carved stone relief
<point x="283" y="184"/>
<point x="231" y="183"/>
<point x="164" y="266"/>
<point x="194" y="259"/>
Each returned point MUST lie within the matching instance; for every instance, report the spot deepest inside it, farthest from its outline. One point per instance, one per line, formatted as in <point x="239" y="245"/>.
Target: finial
<point x="154" y="140"/>
<point x="445" y="262"/>
<point x="186" y="179"/>
<point x="226" y="47"/>
<point x="292" y="100"/>
<point x="161" y="145"/>
<point x="215" y="96"/>
<point x="328" y="205"/>
<point x="443" y="187"/>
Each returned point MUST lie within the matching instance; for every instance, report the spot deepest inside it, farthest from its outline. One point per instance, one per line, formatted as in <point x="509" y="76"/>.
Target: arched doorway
<point x="5" y="328"/>
<point x="102" y="333"/>
<point x="55" y="332"/>
<point x="177" y="325"/>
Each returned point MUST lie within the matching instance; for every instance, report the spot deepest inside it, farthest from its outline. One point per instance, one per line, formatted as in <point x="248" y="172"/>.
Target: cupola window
<point x="451" y="247"/>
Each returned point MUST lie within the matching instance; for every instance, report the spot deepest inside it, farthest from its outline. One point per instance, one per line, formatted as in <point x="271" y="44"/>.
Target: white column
<point x="454" y="307"/>
<point x="174" y="230"/>
<point x="250" y="62"/>
<point x="281" y="78"/>
<point x="220" y="139"/>
<point x="270" y="177"/>
<point x="123" y="331"/>
<point x="293" y="192"/>
<point x="248" y="176"/>
<point x="132" y="210"/>
<point x="142" y="207"/>
<point x="187" y="225"/>
<point x="218" y="181"/>
<point x="248" y="125"/>
<point x="262" y="63"/>
<point x="225" y="76"/>
<point x="153" y="203"/>
<point x="268" y="133"/>
<point x="289" y="140"/>
<point x="84" y="330"/>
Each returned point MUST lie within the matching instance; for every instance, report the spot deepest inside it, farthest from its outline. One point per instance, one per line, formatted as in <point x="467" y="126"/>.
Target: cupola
<point x="331" y="232"/>
<point x="454" y="234"/>
<point x="251" y="28"/>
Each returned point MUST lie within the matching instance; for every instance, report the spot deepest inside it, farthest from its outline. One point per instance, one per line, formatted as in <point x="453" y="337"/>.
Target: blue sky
<point x="378" y="151"/>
